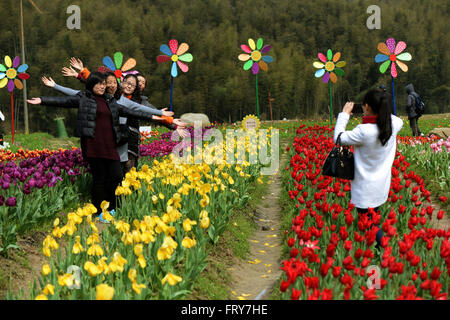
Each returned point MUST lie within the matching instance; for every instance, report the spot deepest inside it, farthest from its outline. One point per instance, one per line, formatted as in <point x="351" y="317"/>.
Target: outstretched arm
<point x="64" y="102"/>
<point x="49" y="82"/>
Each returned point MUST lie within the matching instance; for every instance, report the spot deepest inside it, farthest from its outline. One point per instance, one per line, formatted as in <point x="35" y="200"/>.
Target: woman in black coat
<point x="98" y="127"/>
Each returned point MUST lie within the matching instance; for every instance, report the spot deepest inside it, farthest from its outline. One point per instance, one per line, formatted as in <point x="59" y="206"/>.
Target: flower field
<point x="155" y="245"/>
<point x="330" y="246"/>
<point x="172" y="215"/>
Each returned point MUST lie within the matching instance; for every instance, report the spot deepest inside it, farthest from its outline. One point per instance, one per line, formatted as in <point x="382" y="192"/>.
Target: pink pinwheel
<point x="176" y="54"/>
<point x="8" y="77"/>
<point x="329" y="67"/>
<point x="391" y="53"/>
<point x="253" y="56"/>
<point x="9" y="74"/>
<point x="255" y="61"/>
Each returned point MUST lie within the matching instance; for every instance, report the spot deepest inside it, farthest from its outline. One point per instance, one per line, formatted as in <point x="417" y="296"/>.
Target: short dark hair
<point x="94" y="78"/>
<point x="136" y="95"/>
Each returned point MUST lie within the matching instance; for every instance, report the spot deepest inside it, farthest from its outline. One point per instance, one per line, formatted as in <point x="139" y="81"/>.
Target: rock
<point x="444" y="133"/>
<point x="190" y="118"/>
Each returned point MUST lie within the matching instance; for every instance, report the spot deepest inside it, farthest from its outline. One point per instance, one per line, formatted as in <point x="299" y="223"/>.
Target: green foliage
<point x="214" y="30"/>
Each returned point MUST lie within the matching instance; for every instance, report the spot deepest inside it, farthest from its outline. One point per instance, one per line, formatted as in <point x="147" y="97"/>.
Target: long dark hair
<point x="94" y="78"/>
<point x="136" y="95"/>
<point x="380" y="103"/>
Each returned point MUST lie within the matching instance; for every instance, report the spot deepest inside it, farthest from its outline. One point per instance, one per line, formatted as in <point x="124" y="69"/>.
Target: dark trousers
<point x="106" y="176"/>
<point x="413" y="123"/>
<point x="379" y="233"/>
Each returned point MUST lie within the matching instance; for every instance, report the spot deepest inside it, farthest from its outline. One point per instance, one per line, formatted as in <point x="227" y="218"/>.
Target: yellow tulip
<point x="92" y="239"/>
<point x="188" y="242"/>
<point x="138" y="249"/>
<point x="41" y="297"/>
<point x="203" y="214"/>
<point x="122" y="226"/>
<point x="49" y="289"/>
<point x="170" y="231"/>
<point x="132" y="275"/>
<point x="142" y="261"/>
<point x="204" y="223"/>
<point x="65" y="280"/>
<point x="127" y="238"/>
<point x="188" y="223"/>
<point x="56" y="222"/>
<point x="92" y="269"/>
<point x="95" y="250"/>
<point x="77" y="248"/>
<point x="174" y="215"/>
<point x="148" y="236"/>
<point x="104" y="292"/>
<point x="46" y="251"/>
<point x="172" y="279"/>
<point x="154" y="199"/>
<point x="46" y="269"/>
<point x="138" y="287"/>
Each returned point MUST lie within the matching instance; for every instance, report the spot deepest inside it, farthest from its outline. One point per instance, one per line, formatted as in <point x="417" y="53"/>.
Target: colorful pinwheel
<point x="117" y="67"/>
<point x="176" y="54"/>
<point x="391" y="55"/>
<point x="8" y="77"/>
<point x="255" y="60"/>
<point x="329" y="68"/>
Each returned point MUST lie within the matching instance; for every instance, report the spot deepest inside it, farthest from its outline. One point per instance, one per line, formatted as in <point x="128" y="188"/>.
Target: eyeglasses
<point x="129" y="84"/>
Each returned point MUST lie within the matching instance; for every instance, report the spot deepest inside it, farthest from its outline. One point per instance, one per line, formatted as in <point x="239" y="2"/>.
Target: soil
<point x="23" y="265"/>
<point x="255" y="277"/>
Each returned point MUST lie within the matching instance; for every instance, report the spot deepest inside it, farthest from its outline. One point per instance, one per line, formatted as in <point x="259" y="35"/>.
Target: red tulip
<point x="295" y="293"/>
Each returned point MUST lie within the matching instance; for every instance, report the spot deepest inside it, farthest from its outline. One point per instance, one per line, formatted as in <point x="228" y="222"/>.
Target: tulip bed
<point x="330" y="246"/>
<point x="155" y="245"/>
<point x="32" y="186"/>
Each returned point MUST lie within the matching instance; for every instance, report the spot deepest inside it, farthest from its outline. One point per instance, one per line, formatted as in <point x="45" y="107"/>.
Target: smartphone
<point x="357" y="108"/>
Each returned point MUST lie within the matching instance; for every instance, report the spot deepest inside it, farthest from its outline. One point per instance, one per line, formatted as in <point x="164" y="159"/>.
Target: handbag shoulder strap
<point x="338" y="140"/>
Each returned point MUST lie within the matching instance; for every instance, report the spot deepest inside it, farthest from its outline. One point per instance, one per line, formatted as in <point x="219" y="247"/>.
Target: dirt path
<point x="254" y="278"/>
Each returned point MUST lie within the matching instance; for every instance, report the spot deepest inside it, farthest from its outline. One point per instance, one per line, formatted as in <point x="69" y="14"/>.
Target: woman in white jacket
<point x="374" y="144"/>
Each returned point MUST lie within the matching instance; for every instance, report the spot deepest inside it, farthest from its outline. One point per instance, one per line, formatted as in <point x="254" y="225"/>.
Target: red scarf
<point x="370" y="119"/>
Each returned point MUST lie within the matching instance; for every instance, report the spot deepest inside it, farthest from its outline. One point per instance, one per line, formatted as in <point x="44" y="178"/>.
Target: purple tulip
<point x="11" y="202"/>
<point x="2" y="200"/>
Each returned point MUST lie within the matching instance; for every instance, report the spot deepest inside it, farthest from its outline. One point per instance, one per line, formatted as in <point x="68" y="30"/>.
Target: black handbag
<point x="340" y="162"/>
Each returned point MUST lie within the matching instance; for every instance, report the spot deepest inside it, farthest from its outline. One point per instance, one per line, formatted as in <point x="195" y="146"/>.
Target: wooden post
<point x="270" y="106"/>
<point x="25" y="105"/>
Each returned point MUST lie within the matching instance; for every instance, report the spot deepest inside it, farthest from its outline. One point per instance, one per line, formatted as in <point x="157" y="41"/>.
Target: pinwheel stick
<point x="331" y="104"/>
<point x="171" y="92"/>
<point x="12" y="115"/>
<point x="393" y="94"/>
<point x="257" y="100"/>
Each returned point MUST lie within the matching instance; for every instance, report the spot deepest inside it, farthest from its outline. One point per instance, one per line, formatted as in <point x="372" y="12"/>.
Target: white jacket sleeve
<point x="348" y="138"/>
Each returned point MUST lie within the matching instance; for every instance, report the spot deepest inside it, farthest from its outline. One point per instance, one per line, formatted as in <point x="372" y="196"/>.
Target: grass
<point x="40" y="141"/>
